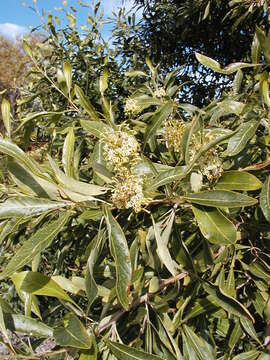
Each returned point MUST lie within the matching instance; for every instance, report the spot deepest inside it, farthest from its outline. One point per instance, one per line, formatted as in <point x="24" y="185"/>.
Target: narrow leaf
<point x="26" y="206"/>
<point x="265" y="199"/>
<point x="124" y="352"/>
<point x="120" y="253"/>
<point x="96" y="128"/>
<point x="68" y="152"/>
<point x="215" y="66"/>
<point x="85" y="103"/>
<point x="67" y="70"/>
<point x="39" y="241"/>
<point x="228" y="303"/>
<point x="157" y="119"/>
<point x="6" y="116"/>
<point x="220" y="198"/>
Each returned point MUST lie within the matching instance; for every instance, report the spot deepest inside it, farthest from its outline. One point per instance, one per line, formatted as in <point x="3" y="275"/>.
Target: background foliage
<point x="135" y="225"/>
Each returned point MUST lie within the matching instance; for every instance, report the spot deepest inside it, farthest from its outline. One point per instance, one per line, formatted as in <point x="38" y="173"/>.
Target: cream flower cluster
<point x="161" y="92"/>
<point x="121" y="151"/>
<point x="131" y="106"/>
<point x="173" y="133"/>
<point x="128" y="193"/>
<point x="210" y="163"/>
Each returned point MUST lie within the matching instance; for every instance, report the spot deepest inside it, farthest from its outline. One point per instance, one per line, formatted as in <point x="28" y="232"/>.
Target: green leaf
<point x="68" y="152"/>
<point x="120" y="253"/>
<point x="248" y="355"/>
<point x="72" y="334"/>
<point x="238" y="180"/>
<point x="162" y="245"/>
<point x="157" y="119"/>
<point x="85" y="103"/>
<point x="197" y="344"/>
<point x="26" y="206"/>
<point x="215" y="66"/>
<point x="168" y="176"/>
<point x="96" y="128"/>
<point x="75" y="185"/>
<point x="67" y="70"/>
<point x="31" y="184"/>
<point x="238" y="141"/>
<point x="10" y="149"/>
<point x="228" y="303"/>
<point x="265" y="199"/>
<point x="249" y="329"/>
<point x="27" y="325"/>
<point x="124" y="352"/>
<point x="90" y="283"/>
<point x="39" y="241"/>
<point x="6" y="116"/>
<point x="27" y="48"/>
<point x="103" y="81"/>
<point x="215" y="227"/>
<point x="39" y="284"/>
<point x="220" y="198"/>
<point x="10" y="227"/>
<point x="37" y="116"/>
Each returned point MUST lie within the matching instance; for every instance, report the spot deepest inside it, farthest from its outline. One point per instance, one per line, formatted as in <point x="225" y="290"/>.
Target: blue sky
<point x="16" y="19"/>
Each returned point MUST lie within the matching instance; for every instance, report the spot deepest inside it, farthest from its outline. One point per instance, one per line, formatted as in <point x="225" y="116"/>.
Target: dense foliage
<point x="134" y="225"/>
<point x="172" y="30"/>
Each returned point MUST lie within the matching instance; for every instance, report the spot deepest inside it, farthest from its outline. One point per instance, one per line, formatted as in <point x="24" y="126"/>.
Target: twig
<point x="142" y="299"/>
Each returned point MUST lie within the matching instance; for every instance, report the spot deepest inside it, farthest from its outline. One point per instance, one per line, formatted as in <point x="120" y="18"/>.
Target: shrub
<point x="134" y="225"/>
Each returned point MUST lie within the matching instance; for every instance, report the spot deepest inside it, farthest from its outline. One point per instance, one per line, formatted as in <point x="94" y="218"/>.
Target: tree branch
<point x="142" y="299"/>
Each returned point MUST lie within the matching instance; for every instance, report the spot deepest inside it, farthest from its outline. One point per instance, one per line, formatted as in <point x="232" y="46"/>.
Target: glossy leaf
<point x="215" y="227"/>
<point x="75" y="185"/>
<point x="68" y="152"/>
<point x="25" y="206"/>
<point x="220" y="198"/>
<point x="39" y="241"/>
<point x="197" y="344"/>
<point x="27" y="325"/>
<point x="238" y="180"/>
<point x="9" y="148"/>
<point x="215" y="66"/>
<point x="167" y="177"/>
<point x="67" y="70"/>
<point x="39" y="284"/>
<point x="162" y="240"/>
<point x="238" y="141"/>
<point x="90" y="283"/>
<point x="265" y="199"/>
<point x="120" y="253"/>
<point x="72" y="334"/>
<point x="6" y="115"/>
<point x="157" y="119"/>
<point x="228" y="303"/>
<point x="86" y="104"/>
<point x="124" y="352"/>
<point x="96" y="128"/>
<point x="103" y="81"/>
